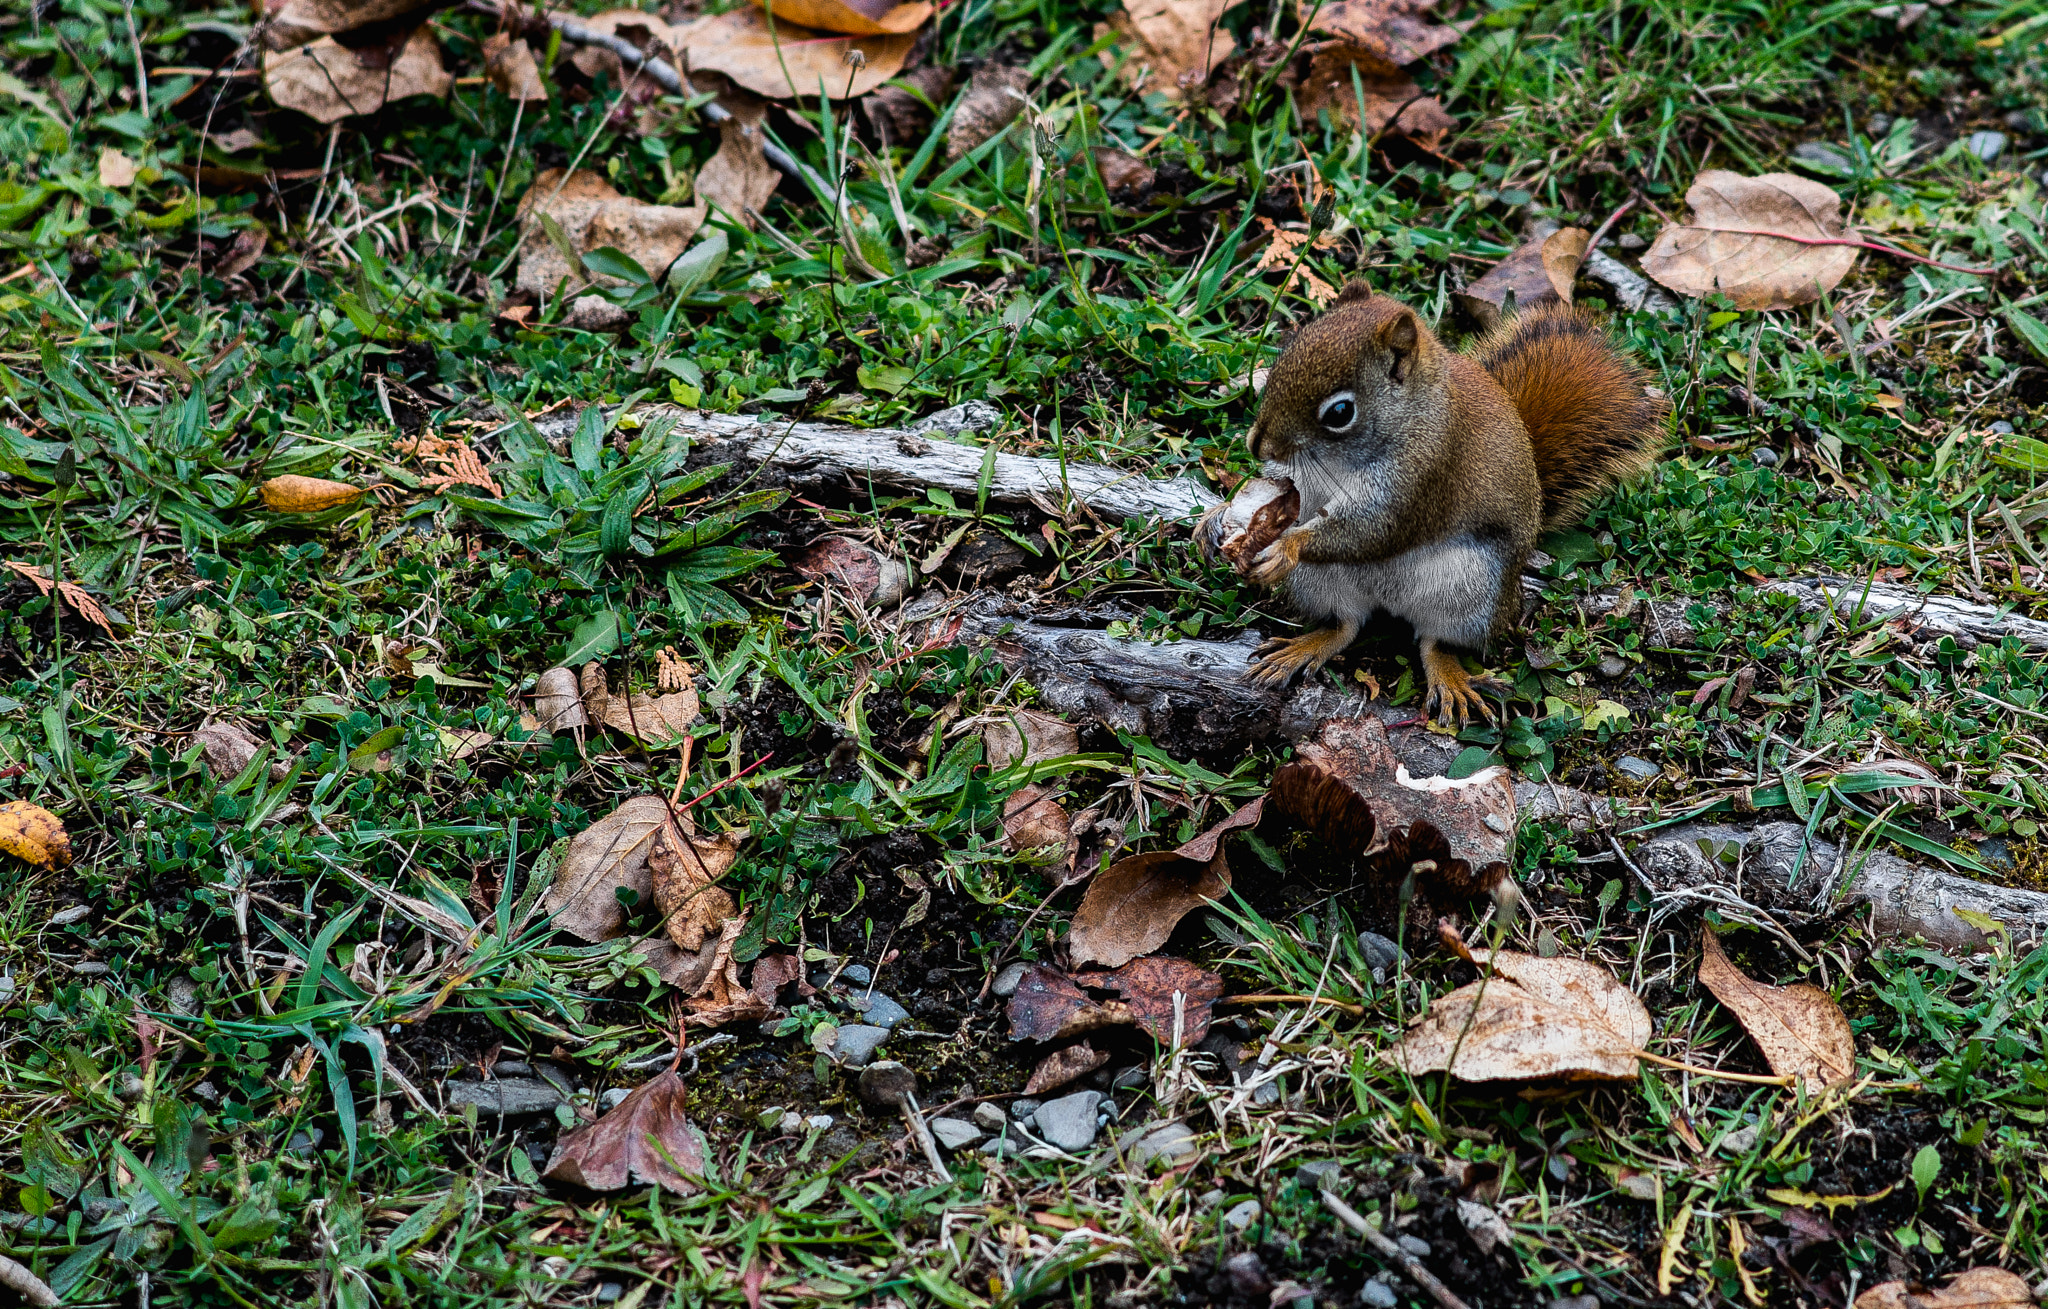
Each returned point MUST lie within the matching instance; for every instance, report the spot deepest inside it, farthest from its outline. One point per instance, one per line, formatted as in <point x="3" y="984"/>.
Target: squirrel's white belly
<point x="1447" y="590"/>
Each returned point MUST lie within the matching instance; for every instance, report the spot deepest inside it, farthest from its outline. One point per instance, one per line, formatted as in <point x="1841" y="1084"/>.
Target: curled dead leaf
<point x="34" y="835"/>
<point x="591" y="215"/>
<point x="738" y="180"/>
<point x="296" y="22"/>
<point x="243" y="252"/>
<point x="1063" y="1066"/>
<point x="512" y="69"/>
<point x="854" y="17"/>
<point x="228" y="748"/>
<point x="1026" y="736"/>
<point x="1391" y="30"/>
<point x="1539" y="273"/>
<point x="1360" y="86"/>
<point x="1132" y="907"/>
<point x="1126" y="177"/>
<point x="1534" y="1018"/>
<point x="1049" y="1006"/>
<point x="1973" y="1288"/>
<point x="294" y="494"/>
<point x="1178" y="43"/>
<point x="873" y="577"/>
<point x="646" y="1138"/>
<point x="685" y="868"/>
<point x="772" y="972"/>
<point x="653" y="720"/>
<point x="1149" y="988"/>
<point x="720" y="999"/>
<point x="1758" y="240"/>
<point x="996" y="94"/>
<point x="793" y="61"/>
<point x="609" y="855"/>
<point x="1032" y="819"/>
<point x="558" y="701"/>
<point x="328" y="81"/>
<point x="1802" y="1032"/>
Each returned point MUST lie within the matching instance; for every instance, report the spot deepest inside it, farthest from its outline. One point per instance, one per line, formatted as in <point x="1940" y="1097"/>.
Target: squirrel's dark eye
<point x="1337" y="412"/>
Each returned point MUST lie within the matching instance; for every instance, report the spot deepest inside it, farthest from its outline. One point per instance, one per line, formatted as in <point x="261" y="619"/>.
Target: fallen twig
<point x="18" y="1279"/>
<point x="1385" y="1245"/>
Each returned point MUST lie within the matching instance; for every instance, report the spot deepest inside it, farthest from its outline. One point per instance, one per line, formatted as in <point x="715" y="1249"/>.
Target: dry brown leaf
<point x="874" y="578"/>
<point x="229" y="747"/>
<point x="299" y="21"/>
<point x="34" y="835"/>
<point x="1179" y="42"/>
<point x="1539" y="273"/>
<point x="592" y="215"/>
<point x="1392" y="100"/>
<point x="1132" y="907"/>
<point x="654" y="721"/>
<point x="996" y="94"/>
<point x="898" y="114"/>
<point x="1063" y="1066"/>
<point x="243" y="252"/>
<point x="1390" y="30"/>
<point x="1033" y="819"/>
<point x="1148" y="987"/>
<point x="1801" y="1030"/>
<point x="738" y="180"/>
<point x="1126" y="177"/>
<point x="116" y="169"/>
<point x="1738" y="241"/>
<point x="609" y="854"/>
<point x="772" y="972"/>
<point x="685" y="867"/>
<point x="74" y="594"/>
<point x="1533" y="1018"/>
<point x="739" y="44"/>
<point x="720" y="999"/>
<point x="293" y="494"/>
<point x="1973" y="1288"/>
<point x="1475" y="814"/>
<point x="854" y="17"/>
<point x="1049" y="1006"/>
<point x="1027" y="736"/>
<point x="645" y="1139"/>
<point x="512" y="69"/>
<point x="327" y="81"/>
<point x="596" y="695"/>
<point x="558" y="701"/>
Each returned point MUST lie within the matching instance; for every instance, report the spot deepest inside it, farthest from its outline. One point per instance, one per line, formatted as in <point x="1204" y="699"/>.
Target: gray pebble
<point x="1380" y="953"/>
<point x="1612" y="666"/>
<point x="857" y="1043"/>
<point x="856" y="975"/>
<point x="608" y="1292"/>
<point x="955" y="1133"/>
<point x="512" y="1068"/>
<point x="989" y="1117"/>
<point x="1640" y="769"/>
<point x="818" y="1122"/>
<point x="998" y="1146"/>
<point x="1021" y="1110"/>
<point x="1630" y="241"/>
<point x="1378" y="1295"/>
<point x="1986" y="146"/>
<point x="1209" y="1199"/>
<point x="881" y="1011"/>
<point x="1242" y="1215"/>
<point x="2002" y="427"/>
<point x="206" y="1092"/>
<point x="1320" y="1174"/>
<point x="1131" y="1078"/>
<point x="503" y="1097"/>
<point x="1764" y="457"/>
<point x="1414" y="1245"/>
<point x="612" y="1099"/>
<point x="1167" y="1143"/>
<point x="1009" y="980"/>
<point x="307" y="1141"/>
<point x="66" y="917"/>
<point x="1266" y="1093"/>
<point x="1069" y="1122"/>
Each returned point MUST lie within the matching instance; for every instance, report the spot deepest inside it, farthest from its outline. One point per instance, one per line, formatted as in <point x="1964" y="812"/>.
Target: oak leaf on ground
<point x="609" y="855"/>
<point x="646" y="1138"/>
<point x="1738" y="241"/>
<point x="1802" y="1032"/>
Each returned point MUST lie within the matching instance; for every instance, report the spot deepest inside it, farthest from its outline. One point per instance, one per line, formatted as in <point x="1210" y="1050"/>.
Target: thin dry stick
<point x="1755" y="1079"/>
<point x="1355" y="1010"/>
<point x="1612" y="219"/>
<point x="1384" y="1244"/>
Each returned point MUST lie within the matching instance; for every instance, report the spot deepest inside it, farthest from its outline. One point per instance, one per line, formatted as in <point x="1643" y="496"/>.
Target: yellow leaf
<point x="34" y="835"/>
<point x="1807" y="1199"/>
<point x="293" y="494"/>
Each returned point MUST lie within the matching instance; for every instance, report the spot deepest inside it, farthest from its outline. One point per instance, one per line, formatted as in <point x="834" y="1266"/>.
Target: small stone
<point x="1494" y="823"/>
<point x="856" y="975"/>
<point x="66" y="917"/>
<point x="990" y="1117"/>
<point x="1266" y="1093"/>
<point x="996" y="1147"/>
<point x="1242" y="1215"/>
<point x="306" y="1142"/>
<point x="1248" y="1278"/>
<point x="1824" y="156"/>
<point x="1986" y="146"/>
<point x="607" y="1292"/>
<point x="973" y="416"/>
<point x="612" y="1099"/>
<point x="2002" y="427"/>
<point x="1630" y="241"/>
<point x="1009" y="980"/>
<point x="1381" y="954"/>
<point x="1319" y="1175"/>
<point x="594" y="313"/>
<point x="2019" y="120"/>
<point x="1021" y="1110"/>
<point x="818" y="1122"/>
<point x="1764" y="457"/>
<point x="1414" y="1245"/>
<point x="1740" y="1141"/>
<point x="881" y="1011"/>
<point x="1069" y="1122"/>
<point x="512" y="1068"/>
<point x="857" y="1043"/>
<point x="503" y="1097"/>
<point x="1166" y="1143"/>
<point x="206" y="1092"/>
<point x="1129" y="1079"/>
<point x="92" y="968"/>
<point x="955" y="1133"/>
<point x="1209" y="1199"/>
<point x="1612" y="666"/>
<point x="887" y="1084"/>
<point x="1576" y="1302"/>
<point x="1378" y="1295"/>
<point x="1640" y="769"/>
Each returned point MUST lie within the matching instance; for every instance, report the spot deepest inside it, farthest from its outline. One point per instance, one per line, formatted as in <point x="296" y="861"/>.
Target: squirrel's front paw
<point x="1276" y="561"/>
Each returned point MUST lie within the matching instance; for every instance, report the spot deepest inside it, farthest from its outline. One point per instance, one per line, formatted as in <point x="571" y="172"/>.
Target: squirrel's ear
<point x="1356" y="291"/>
<point x="1398" y="337"/>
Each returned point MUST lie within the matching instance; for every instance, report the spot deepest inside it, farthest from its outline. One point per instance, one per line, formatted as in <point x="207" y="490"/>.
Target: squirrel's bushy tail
<point x="1590" y="420"/>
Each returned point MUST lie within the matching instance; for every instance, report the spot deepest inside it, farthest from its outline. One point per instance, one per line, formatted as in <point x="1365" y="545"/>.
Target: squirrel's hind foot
<point x="1454" y="694"/>
<point x="1277" y="661"/>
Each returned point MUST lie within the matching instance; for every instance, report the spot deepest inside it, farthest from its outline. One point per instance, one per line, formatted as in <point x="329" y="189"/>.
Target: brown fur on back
<point x="1591" y="424"/>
